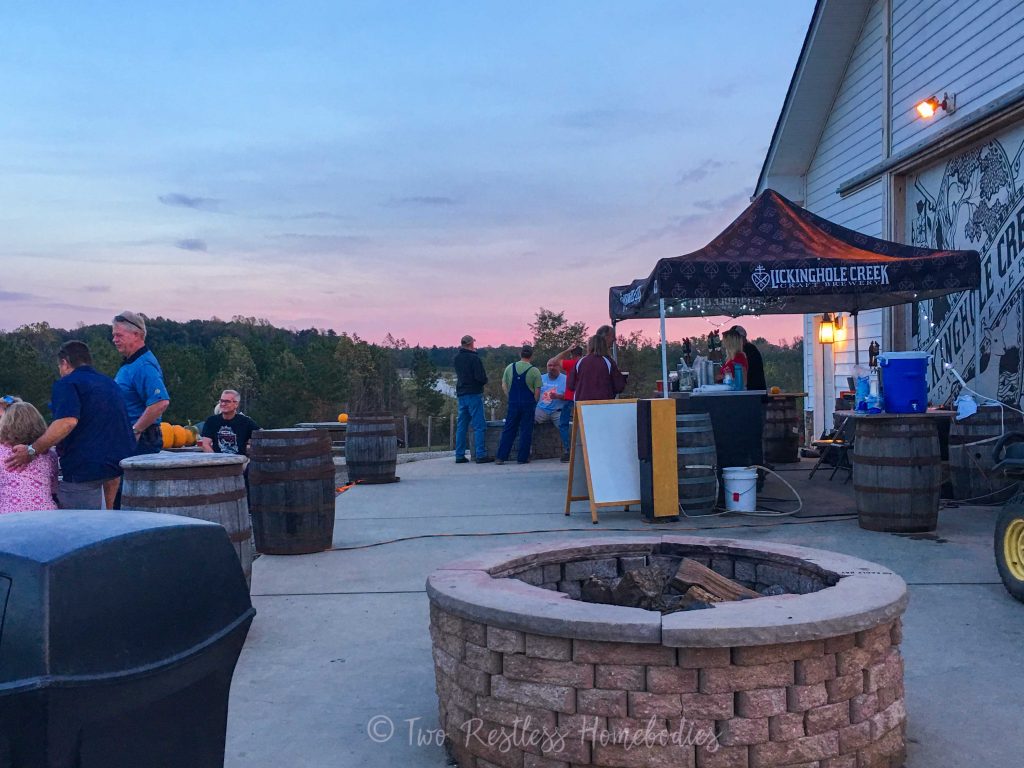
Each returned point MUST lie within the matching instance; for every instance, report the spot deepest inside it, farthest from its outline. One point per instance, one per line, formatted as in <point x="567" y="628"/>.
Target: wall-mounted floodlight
<point x="931" y="105"/>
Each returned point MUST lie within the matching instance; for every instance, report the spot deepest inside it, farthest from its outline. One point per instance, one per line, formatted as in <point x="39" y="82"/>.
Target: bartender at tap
<point x="755" y="365"/>
<point x="734" y="369"/>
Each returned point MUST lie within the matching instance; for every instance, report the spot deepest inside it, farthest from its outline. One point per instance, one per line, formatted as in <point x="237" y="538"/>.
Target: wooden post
<point x="429" y="420"/>
<point x="451" y="433"/>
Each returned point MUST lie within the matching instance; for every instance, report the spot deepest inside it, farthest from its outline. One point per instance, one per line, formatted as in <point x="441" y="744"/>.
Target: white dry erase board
<point x="604" y="455"/>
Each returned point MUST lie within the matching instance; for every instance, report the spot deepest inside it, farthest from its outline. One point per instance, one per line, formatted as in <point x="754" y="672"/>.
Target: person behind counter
<point x="596" y="376"/>
<point x="736" y="363"/>
<point x="755" y="365"/>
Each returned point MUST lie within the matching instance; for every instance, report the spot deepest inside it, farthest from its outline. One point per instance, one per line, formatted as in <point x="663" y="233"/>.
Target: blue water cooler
<point x="904" y="381"/>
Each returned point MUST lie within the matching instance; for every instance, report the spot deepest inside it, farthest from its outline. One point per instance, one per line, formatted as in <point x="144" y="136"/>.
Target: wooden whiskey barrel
<point x="781" y="430"/>
<point x="371" y="449"/>
<point x="697" y="462"/>
<point x="971" y="441"/>
<point x="291" y="491"/>
<point x="897" y="473"/>
<point x="205" y="486"/>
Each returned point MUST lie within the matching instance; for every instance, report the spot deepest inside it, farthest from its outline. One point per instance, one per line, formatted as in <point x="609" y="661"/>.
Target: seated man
<point x="552" y="401"/>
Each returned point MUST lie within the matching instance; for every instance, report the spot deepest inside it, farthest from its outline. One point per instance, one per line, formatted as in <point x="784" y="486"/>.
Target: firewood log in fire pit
<point x="692" y="574"/>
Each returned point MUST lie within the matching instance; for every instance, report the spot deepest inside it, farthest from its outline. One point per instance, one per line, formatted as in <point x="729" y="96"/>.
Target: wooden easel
<point x="580" y="461"/>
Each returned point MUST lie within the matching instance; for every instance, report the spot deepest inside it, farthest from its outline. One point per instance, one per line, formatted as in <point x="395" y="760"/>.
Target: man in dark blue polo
<point x="90" y="429"/>
<point x="141" y="381"/>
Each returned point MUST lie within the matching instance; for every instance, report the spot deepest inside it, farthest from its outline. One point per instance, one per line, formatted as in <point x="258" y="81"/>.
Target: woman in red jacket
<point x="736" y="363"/>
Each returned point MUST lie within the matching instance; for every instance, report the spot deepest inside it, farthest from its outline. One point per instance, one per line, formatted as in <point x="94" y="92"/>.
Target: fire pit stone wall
<point x="528" y="677"/>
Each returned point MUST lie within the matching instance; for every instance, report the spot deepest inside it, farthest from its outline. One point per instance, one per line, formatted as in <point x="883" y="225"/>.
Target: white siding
<point x="972" y="49"/>
<point x="852" y="138"/>
<point x="850" y="143"/>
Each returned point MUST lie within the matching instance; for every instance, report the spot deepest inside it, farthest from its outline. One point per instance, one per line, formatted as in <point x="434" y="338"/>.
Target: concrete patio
<point x="337" y="669"/>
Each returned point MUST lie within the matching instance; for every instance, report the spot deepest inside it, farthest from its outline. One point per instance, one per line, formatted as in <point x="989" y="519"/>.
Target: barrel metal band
<point x="185" y="473"/>
<point x="264" y="510"/>
<point x="160" y="502"/>
<point x="281" y="453"/>
<point x="900" y="491"/>
<point x="268" y="476"/>
<point x="896" y="461"/>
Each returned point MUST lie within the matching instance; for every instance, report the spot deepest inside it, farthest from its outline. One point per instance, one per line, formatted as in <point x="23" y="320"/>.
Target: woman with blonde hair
<point x="30" y="487"/>
<point x="736" y="365"/>
<point x="8" y="400"/>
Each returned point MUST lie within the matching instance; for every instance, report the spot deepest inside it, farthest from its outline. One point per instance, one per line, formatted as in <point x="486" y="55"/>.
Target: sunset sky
<point x="426" y="169"/>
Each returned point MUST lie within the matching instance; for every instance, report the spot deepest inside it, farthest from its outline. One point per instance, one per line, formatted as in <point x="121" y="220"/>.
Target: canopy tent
<point x="779" y="258"/>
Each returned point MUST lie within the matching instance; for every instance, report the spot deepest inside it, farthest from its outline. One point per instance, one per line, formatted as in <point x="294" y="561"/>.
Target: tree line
<point x="288" y="376"/>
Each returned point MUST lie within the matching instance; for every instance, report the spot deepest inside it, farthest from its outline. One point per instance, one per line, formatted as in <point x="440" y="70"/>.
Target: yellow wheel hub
<point x="1013" y="548"/>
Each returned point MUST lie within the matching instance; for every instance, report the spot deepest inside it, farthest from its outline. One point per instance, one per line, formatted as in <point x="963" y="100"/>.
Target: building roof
<point x="831" y="38"/>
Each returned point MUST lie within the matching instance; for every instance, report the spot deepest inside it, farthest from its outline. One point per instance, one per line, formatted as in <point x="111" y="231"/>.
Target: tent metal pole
<point x="664" y="350"/>
<point x="615" y="346"/>
<point x="856" y="340"/>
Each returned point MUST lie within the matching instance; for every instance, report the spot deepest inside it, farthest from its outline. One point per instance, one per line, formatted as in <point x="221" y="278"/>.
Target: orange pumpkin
<point x="193" y="435"/>
<point x="167" y="433"/>
<point x="180" y="436"/>
<point x="343" y="418"/>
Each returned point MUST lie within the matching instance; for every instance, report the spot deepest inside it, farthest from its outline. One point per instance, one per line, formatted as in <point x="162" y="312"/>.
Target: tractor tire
<point x="1009" y="549"/>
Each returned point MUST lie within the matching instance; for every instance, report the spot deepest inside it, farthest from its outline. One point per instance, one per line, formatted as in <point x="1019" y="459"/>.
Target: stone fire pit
<point x="529" y="677"/>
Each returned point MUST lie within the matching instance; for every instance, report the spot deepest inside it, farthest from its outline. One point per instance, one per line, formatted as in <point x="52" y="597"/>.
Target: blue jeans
<point x="519" y="417"/>
<point x="471" y="409"/>
<point x="563" y="423"/>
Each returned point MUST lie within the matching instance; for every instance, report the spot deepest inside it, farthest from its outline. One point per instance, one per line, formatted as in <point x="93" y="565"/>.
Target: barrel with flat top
<point x="897" y="473"/>
<point x="204" y="486"/>
<point x="371" y="449"/>
<point x="696" y="460"/>
<point x="781" y="430"/>
<point x="291" y="491"/>
<point x="970" y="454"/>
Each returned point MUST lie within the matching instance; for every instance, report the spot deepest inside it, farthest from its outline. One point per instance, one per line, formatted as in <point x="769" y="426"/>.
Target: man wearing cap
<point x="141" y="381"/>
<point x="755" y="365"/>
<point x="469" y="389"/>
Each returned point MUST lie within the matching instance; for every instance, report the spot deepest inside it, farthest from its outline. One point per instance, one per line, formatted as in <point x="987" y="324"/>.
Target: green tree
<point x="286" y="396"/>
<point x="424" y="384"/>
<point x="236" y="370"/>
<point x="373" y="385"/>
<point x="24" y="371"/>
<point x="187" y="383"/>
<point x="552" y="333"/>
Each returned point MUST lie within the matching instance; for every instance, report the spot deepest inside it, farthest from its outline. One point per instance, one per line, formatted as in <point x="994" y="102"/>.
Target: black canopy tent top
<point x="779" y="258"/>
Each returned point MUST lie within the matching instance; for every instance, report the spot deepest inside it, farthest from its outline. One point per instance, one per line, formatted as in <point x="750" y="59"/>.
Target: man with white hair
<point x="755" y="365"/>
<point x="228" y="431"/>
<point x="141" y="381"/>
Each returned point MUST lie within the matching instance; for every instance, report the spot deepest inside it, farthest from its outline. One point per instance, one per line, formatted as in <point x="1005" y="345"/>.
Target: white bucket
<point x="740" y="489"/>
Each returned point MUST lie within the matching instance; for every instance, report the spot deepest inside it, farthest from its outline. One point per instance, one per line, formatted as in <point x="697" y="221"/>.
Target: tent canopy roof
<point x="779" y="258"/>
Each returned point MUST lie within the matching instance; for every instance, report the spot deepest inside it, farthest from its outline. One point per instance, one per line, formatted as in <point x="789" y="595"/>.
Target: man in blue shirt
<point x="552" y="401"/>
<point x="90" y="429"/>
<point x="141" y="381"/>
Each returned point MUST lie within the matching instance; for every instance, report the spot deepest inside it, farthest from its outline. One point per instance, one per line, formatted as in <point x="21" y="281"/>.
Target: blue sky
<point x="420" y="168"/>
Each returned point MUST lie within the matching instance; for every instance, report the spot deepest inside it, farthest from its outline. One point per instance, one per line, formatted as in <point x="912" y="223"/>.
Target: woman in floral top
<point x="32" y="487"/>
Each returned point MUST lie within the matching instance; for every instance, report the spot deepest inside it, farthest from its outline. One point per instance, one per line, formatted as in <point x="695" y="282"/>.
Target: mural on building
<point x="974" y="201"/>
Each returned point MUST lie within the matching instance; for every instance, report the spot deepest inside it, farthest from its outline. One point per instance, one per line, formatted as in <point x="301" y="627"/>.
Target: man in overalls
<point x="521" y="382"/>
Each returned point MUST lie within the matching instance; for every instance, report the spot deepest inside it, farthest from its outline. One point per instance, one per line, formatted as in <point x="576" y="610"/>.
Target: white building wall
<point x="850" y="143"/>
<point x="970" y="48"/>
<point x="851" y="140"/>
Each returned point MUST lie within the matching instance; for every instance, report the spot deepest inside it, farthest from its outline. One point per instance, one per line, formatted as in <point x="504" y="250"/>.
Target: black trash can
<point x="119" y="634"/>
